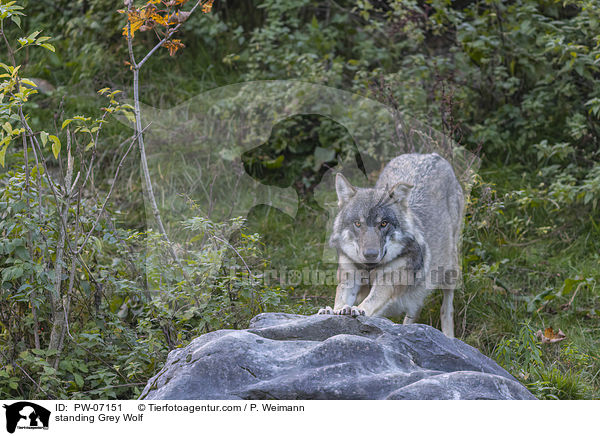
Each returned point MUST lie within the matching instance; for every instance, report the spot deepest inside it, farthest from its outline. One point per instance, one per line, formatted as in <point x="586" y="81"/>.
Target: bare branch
<point x="133" y="139"/>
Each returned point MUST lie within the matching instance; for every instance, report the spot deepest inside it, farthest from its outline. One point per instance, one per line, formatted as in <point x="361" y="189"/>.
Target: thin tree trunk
<point x="36" y="335"/>
<point x="58" y="306"/>
<point x="58" y="318"/>
<point x="149" y="191"/>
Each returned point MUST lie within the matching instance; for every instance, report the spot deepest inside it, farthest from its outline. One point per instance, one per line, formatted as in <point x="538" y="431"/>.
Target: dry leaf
<point x="549" y="336"/>
<point x="173" y="46"/>
<point x="178" y="17"/>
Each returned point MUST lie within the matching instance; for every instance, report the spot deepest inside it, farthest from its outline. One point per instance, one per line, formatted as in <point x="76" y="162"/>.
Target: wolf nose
<point x="371" y="253"/>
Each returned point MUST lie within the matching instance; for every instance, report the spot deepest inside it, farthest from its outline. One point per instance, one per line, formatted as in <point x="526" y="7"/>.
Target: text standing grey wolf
<point x="399" y="241"/>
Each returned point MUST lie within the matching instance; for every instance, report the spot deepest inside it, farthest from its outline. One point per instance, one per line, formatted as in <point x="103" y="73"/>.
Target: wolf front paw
<point x="347" y="310"/>
<point x="325" y="311"/>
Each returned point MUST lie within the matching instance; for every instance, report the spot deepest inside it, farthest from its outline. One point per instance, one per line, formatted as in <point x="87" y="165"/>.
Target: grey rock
<point x="284" y="356"/>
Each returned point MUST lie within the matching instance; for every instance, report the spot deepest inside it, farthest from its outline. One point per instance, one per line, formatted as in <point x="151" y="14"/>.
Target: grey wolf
<point x="398" y="241"/>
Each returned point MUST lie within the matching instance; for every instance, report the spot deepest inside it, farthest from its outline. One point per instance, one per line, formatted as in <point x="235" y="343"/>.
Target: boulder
<point x="284" y="356"/>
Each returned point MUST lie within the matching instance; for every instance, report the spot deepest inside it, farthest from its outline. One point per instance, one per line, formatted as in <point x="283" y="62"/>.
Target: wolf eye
<point x="383" y="223"/>
<point x="357" y="223"/>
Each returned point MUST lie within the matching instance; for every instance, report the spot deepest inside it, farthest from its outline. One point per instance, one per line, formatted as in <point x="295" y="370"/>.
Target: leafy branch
<point x="165" y="22"/>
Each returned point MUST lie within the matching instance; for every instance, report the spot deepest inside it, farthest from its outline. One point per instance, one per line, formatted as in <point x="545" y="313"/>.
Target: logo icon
<point x="26" y="415"/>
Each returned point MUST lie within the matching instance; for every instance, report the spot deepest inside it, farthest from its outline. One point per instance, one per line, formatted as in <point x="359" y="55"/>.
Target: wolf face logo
<point x="26" y="414"/>
<point x="398" y="241"/>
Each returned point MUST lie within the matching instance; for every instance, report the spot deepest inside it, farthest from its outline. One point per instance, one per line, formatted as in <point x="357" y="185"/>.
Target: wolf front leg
<point x="349" y="284"/>
<point x="345" y="297"/>
<point x="378" y="300"/>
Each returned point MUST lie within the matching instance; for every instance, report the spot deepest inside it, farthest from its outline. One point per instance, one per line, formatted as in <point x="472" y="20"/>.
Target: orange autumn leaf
<point x="142" y="19"/>
<point x="158" y="19"/>
<point x="173" y="46"/>
<point x="549" y="336"/>
<point x="206" y="7"/>
<point x="135" y="19"/>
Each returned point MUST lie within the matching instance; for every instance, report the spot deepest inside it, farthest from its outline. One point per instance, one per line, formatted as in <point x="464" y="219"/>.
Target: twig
<point x="126" y="385"/>
<point x="568" y="305"/>
<point x="109" y="192"/>
<point x="236" y="252"/>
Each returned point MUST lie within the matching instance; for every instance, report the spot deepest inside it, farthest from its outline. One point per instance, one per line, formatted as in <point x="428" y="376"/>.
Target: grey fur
<point x="399" y="241"/>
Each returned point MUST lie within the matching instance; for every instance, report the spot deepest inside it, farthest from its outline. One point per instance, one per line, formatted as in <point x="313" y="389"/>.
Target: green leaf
<point x="2" y="154"/>
<point x="55" y="145"/>
<point x="49" y="370"/>
<point x="12" y="273"/>
<point x="16" y="19"/>
<point x="44" y="138"/>
<point x="51" y="352"/>
<point x="570" y="285"/>
<point x="33" y="35"/>
<point x="66" y="123"/>
<point x="130" y="116"/>
<point x="48" y="47"/>
<point x="22" y="252"/>
<point x="314" y="23"/>
<point x="7" y="127"/>
<point x="274" y="163"/>
<point x="29" y="82"/>
<point x="78" y="380"/>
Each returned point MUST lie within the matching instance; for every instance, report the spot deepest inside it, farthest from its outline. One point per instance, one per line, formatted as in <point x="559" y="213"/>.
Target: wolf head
<point x="375" y="226"/>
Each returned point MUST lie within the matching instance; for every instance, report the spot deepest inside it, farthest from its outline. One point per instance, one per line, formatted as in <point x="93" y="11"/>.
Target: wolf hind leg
<point x="447" y="313"/>
<point x="410" y="320"/>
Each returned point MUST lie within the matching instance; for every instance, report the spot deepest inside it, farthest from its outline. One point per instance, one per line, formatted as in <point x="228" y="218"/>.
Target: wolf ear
<point x="400" y="192"/>
<point x="345" y="190"/>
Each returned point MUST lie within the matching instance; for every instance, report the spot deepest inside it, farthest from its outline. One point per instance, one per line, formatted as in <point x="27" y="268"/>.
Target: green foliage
<point x="122" y="330"/>
<point x="299" y="151"/>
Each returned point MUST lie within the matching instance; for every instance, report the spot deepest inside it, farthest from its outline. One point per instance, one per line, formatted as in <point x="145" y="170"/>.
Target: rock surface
<point x="284" y="356"/>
